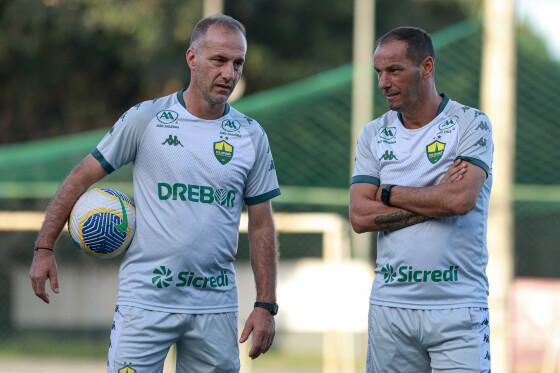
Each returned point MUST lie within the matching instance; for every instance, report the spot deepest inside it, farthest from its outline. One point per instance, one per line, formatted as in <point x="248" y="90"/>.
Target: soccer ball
<point x="102" y="223"/>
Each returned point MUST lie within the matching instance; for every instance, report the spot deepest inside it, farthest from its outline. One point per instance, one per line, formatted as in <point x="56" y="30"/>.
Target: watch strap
<point x="386" y="194"/>
<point x="271" y="307"/>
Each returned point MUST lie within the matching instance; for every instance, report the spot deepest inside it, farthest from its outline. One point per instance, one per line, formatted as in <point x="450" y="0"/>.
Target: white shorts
<point x="404" y="340"/>
<point x="140" y="341"/>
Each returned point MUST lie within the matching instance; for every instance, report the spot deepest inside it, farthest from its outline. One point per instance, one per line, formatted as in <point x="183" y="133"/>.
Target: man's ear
<point x="191" y="57"/>
<point x="427" y="67"/>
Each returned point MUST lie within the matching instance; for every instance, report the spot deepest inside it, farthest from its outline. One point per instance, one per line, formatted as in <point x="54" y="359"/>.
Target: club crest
<point x="434" y="151"/>
<point x="223" y="151"/>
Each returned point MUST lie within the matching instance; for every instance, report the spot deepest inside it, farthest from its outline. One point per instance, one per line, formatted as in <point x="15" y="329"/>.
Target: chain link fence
<point x="308" y="125"/>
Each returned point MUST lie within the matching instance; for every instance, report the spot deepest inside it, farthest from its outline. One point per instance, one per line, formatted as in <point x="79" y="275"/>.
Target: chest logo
<point x="388" y="156"/>
<point x="167" y="116"/>
<point x="434" y="151"/>
<point x="230" y="125"/>
<point x="173" y="141"/>
<point x="223" y="151"/>
<point x="387" y="133"/>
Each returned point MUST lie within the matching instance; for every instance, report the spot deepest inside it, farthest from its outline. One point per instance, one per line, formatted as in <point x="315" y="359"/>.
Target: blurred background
<point x="70" y="68"/>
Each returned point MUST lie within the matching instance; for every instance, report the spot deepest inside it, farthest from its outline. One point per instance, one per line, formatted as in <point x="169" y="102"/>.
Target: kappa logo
<point x="172" y="140"/>
<point x="230" y="125"/>
<point x="388" y="156"/>
<point x="483" y="126"/>
<point x="387" y="133"/>
<point x="481" y="142"/>
<point x="162" y="277"/>
<point x="167" y="116"/>
<point x="223" y="151"/>
<point x="434" y="151"/>
<point x="271" y="167"/>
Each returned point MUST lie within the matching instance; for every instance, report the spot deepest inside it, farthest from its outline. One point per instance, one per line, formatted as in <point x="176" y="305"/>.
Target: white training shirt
<point x="440" y="263"/>
<point x="190" y="178"/>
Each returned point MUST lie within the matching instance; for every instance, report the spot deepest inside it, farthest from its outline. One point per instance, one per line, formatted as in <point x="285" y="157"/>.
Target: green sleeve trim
<point x="262" y="198"/>
<point x="365" y="179"/>
<point x="106" y="166"/>
<point x="476" y="162"/>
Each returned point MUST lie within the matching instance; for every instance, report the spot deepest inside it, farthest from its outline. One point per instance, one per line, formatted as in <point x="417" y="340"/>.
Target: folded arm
<point x="456" y="194"/>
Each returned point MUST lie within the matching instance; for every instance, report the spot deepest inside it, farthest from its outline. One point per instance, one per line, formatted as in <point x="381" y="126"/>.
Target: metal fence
<point x="308" y="125"/>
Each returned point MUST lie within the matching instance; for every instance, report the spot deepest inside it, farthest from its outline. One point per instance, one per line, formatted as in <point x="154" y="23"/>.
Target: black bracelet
<point x="44" y="248"/>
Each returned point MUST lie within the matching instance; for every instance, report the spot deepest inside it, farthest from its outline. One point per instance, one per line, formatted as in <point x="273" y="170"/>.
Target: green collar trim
<point x="440" y="109"/>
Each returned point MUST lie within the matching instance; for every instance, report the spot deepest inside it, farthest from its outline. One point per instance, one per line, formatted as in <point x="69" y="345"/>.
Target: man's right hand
<point x="43" y="267"/>
<point x="454" y="174"/>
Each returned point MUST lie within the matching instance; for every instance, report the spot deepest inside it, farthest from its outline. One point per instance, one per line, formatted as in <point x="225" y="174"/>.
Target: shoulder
<point x="247" y="124"/>
<point x="467" y="116"/>
<point x="147" y="110"/>
<point x="383" y="126"/>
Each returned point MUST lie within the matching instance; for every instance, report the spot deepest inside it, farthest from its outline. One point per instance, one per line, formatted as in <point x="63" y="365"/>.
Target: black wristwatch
<point x="386" y="194"/>
<point x="271" y="307"/>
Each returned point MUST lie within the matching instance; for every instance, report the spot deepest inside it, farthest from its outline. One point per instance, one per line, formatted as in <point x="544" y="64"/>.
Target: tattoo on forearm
<point x="399" y="219"/>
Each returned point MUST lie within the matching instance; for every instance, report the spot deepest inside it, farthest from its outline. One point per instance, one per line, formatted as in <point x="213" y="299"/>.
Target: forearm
<point x="434" y="201"/>
<point x="58" y="212"/>
<point x="262" y="242"/>
<point x="374" y="216"/>
<point x="82" y="177"/>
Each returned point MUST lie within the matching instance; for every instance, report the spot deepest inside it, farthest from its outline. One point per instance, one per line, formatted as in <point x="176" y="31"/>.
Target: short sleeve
<point x="366" y="165"/>
<point x="475" y="140"/>
<point x="120" y="144"/>
<point x="262" y="183"/>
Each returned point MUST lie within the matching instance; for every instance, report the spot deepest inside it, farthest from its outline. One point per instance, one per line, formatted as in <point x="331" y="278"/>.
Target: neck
<point x="201" y="108"/>
<point x="423" y="112"/>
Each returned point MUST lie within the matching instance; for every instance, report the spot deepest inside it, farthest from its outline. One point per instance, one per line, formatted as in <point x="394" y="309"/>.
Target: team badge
<point x="127" y="369"/>
<point x="223" y="151"/>
<point x="434" y="151"/>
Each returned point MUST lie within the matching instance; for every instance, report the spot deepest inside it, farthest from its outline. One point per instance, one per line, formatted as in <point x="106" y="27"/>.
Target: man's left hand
<point x="261" y="323"/>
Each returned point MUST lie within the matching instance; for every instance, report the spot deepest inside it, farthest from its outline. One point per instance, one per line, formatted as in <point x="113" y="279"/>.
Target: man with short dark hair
<point x="422" y="180"/>
<point x="177" y="281"/>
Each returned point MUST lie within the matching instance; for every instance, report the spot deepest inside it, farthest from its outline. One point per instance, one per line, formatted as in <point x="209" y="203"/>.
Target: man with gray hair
<point x="177" y="281"/>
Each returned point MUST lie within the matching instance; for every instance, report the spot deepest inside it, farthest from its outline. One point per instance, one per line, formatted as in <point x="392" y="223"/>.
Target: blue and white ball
<point x="102" y="223"/>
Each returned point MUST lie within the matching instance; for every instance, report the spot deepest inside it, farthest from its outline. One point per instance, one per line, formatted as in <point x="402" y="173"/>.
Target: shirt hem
<point x="189" y="310"/>
<point x="481" y="304"/>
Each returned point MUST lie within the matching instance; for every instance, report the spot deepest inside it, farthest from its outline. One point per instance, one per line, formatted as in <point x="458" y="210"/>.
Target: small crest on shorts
<point x="434" y="151"/>
<point x="127" y="369"/>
